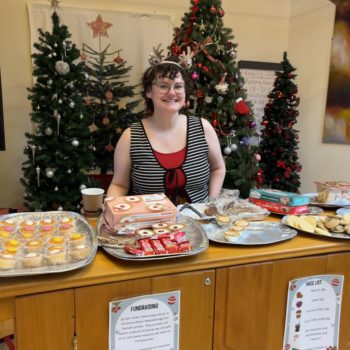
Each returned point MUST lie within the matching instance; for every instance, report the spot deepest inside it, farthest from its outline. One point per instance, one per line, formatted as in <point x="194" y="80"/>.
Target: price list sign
<point x="313" y="313"/>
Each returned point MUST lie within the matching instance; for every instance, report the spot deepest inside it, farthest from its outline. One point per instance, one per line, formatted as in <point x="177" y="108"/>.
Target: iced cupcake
<point x="34" y="246"/>
<point x="30" y="260"/>
<point x="80" y="252"/>
<point x="76" y="239"/>
<point x="55" y="255"/>
<point x="8" y="259"/>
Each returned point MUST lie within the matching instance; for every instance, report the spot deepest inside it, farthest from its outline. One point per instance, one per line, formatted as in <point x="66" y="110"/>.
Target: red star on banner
<point x="99" y="27"/>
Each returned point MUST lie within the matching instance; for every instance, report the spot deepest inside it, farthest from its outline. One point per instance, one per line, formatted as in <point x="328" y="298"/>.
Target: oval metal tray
<point x="194" y="233"/>
<point x="81" y="226"/>
<point x="314" y="201"/>
<point x="332" y="235"/>
<point x="256" y="233"/>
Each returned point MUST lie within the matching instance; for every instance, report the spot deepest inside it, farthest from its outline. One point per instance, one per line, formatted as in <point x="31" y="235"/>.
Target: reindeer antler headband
<point x="156" y="58"/>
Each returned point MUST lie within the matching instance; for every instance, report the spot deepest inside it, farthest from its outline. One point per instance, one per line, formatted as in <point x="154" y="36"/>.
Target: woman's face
<point x="167" y="94"/>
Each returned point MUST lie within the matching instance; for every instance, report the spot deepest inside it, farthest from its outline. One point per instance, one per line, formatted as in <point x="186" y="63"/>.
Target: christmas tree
<point x="106" y="90"/>
<point x="279" y="143"/>
<point x="205" y="48"/>
<point x="59" y="150"/>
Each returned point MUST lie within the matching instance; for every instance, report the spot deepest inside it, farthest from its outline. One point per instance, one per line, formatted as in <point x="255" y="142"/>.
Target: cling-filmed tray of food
<point x="242" y="232"/>
<point x="235" y="209"/>
<point x="35" y="243"/>
<point x="333" y="226"/>
<point x="160" y="241"/>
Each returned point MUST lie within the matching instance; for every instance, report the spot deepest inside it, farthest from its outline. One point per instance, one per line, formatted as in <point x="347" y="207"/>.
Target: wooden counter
<point x="34" y="304"/>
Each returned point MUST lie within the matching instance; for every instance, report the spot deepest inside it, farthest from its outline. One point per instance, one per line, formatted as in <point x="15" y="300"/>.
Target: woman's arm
<point x="217" y="163"/>
<point x="122" y="165"/>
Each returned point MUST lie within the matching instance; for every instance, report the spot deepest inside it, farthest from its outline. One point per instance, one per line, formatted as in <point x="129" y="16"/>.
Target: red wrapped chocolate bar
<point x="157" y="246"/>
<point x="170" y="246"/>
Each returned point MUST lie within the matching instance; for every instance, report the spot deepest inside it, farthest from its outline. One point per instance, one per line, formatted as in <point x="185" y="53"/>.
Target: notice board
<point x="258" y="82"/>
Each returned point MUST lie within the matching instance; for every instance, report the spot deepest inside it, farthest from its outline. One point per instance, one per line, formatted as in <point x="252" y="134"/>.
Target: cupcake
<point x="56" y="240"/>
<point x="10" y="224"/>
<point x="31" y="260"/>
<point x="26" y="236"/>
<point x="76" y="239"/>
<point x="8" y="259"/>
<point x="27" y="229"/>
<point x="55" y="255"/>
<point x="28" y="224"/>
<point x="12" y="244"/>
<point x="80" y="252"/>
<point x="47" y="227"/>
<point x="4" y="235"/>
<point x="66" y="225"/>
<point x="34" y="246"/>
<point x="7" y="228"/>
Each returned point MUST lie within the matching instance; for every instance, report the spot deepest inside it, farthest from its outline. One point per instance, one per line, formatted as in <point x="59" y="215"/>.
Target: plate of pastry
<point x="242" y="232"/>
<point x="161" y="240"/>
<point x="314" y="201"/>
<point x="333" y="226"/>
<point x="36" y="243"/>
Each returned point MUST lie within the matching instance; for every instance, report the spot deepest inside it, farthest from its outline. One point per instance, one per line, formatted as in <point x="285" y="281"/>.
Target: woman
<point x="168" y="152"/>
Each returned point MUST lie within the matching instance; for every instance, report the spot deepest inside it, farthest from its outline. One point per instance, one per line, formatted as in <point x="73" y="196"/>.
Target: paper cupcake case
<point x="32" y="247"/>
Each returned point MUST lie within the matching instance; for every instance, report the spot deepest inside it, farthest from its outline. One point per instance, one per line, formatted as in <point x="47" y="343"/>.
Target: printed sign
<point x="148" y="322"/>
<point x="313" y="313"/>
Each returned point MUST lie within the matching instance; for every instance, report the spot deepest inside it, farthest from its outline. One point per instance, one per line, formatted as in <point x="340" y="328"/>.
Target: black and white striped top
<point x="148" y="176"/>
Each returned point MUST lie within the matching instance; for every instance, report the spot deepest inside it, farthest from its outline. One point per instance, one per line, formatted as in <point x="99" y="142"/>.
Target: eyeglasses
<point x="164" y="88"/>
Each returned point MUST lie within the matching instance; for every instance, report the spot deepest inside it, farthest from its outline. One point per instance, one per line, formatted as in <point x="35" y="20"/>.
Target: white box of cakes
<point x="44" y="242"/>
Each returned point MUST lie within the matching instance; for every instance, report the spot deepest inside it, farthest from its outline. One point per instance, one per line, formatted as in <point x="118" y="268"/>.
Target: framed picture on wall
<point x="2" y="129"/>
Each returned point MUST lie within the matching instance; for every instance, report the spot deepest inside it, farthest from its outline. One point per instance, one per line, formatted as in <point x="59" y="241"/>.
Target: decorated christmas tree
<point x="59" y="150"/>
<point x="206" y="49"/>
<point x="279" y="163"/>
<point x="106" y="96"/>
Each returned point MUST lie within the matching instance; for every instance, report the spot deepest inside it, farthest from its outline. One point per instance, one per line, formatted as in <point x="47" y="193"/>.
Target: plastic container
<point x="333" y="192"/>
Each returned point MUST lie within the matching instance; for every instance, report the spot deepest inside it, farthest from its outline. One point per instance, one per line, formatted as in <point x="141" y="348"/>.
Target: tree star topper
<point x="99" y="27"/>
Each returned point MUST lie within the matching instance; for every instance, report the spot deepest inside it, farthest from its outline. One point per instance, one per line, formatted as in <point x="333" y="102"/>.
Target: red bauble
<point x="118" y="60"/>
<point x="212" y="9"/>
<point x="221" y="13"/>
<point x="215" y="123"/>
<point x="200" y="93"/>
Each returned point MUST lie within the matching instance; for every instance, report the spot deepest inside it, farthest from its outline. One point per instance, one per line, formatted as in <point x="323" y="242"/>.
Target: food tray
<point x="314" y="201"/>
<point x="330" y="235"/>
<point x="81" y="226"/>
<point x="256" y="233"/>
<point x="194" y="233"/>
<point x="244" y="210"/>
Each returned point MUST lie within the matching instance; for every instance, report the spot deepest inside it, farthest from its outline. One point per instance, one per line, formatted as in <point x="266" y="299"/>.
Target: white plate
<point x="314" y="201"/>
<point x="331" y="234"/>
<point x="256" y="233"/>
<point x="81" y="226"/>
<point x="194" y="233"/>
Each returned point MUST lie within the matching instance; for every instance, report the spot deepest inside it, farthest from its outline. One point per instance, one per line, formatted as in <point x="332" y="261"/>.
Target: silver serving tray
<point x="81" y="226"/>
<point x="194" y="233"/>
<point x="256" y="233"/>
<point x="314" y="201"/>
<point x="331" y="234"/>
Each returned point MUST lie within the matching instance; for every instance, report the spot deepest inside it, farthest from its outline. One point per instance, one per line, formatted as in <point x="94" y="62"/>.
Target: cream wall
<point x="263" y="29"/>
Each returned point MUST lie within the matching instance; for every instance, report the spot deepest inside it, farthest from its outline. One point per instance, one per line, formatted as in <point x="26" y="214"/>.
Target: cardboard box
<point x="280" y="208"/>
<point x="127" y="213"/>
<point x="285" y="198"/>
